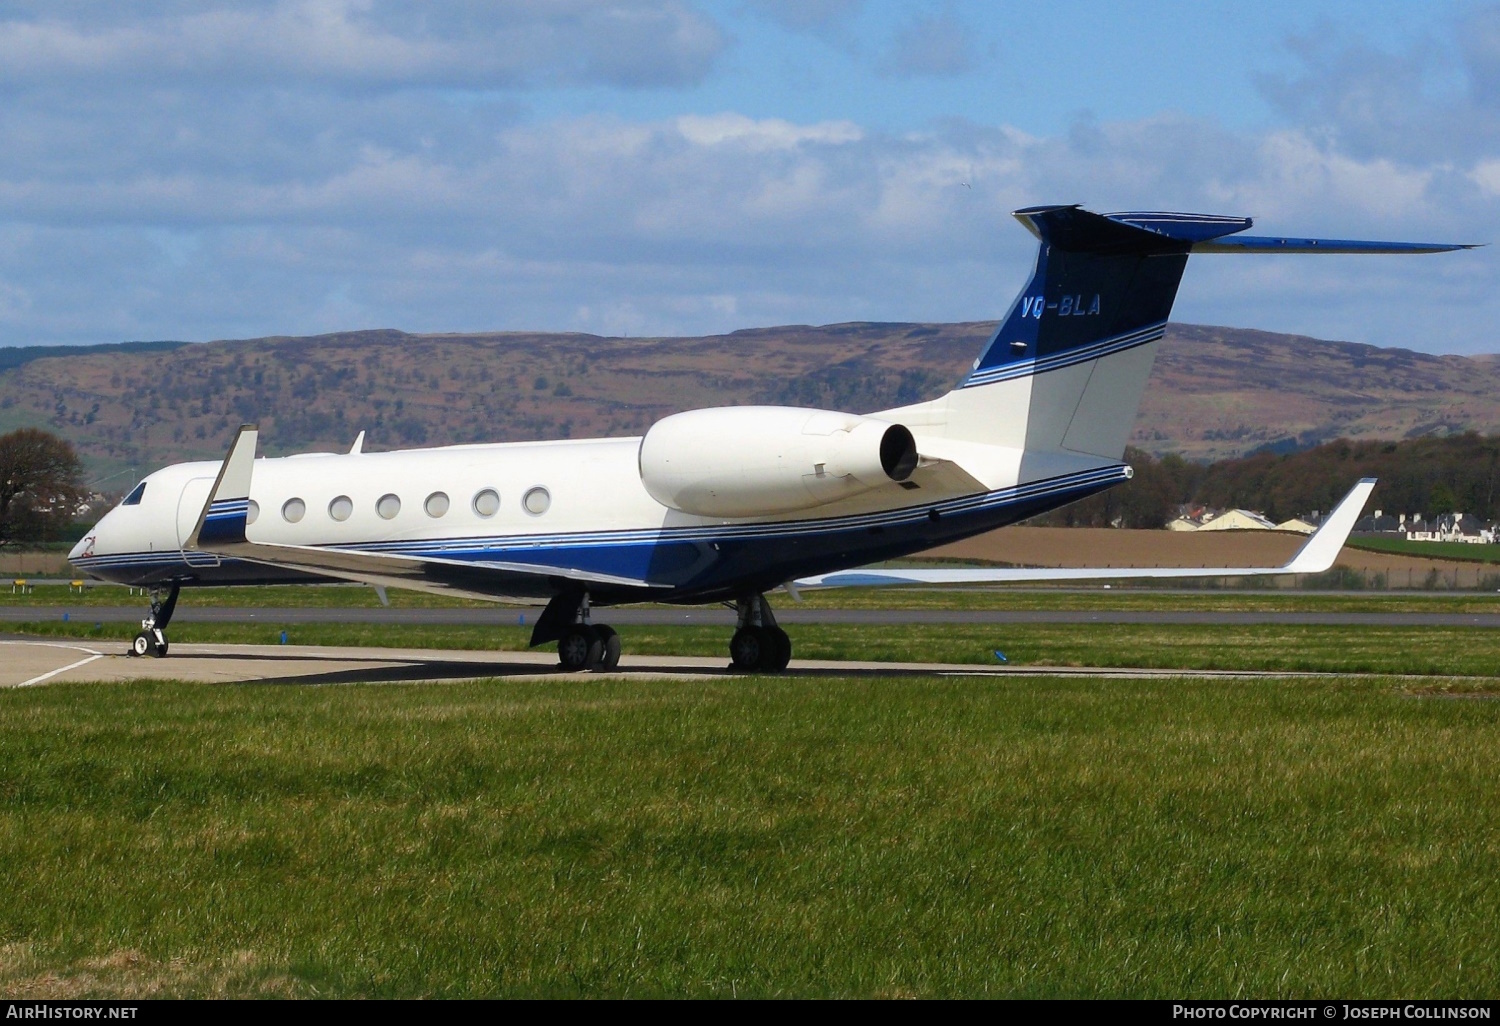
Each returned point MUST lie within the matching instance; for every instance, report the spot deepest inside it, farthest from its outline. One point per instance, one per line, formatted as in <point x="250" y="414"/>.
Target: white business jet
<point x="723" y="505"/>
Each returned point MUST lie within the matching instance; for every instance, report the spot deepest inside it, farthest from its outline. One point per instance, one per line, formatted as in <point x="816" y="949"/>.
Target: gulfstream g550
<point x="723" y="504"/>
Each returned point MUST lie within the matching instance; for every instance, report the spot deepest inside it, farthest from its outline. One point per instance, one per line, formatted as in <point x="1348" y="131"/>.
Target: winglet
<point x="224" y="516"/>
<point x="1319" y="551"/>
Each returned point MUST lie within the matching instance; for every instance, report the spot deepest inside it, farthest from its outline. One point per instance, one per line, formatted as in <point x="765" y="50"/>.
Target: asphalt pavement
<point x="27" y="662"/>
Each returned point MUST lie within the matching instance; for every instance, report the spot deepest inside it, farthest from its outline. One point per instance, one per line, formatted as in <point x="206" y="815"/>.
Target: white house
<point x="1237" y="520"/>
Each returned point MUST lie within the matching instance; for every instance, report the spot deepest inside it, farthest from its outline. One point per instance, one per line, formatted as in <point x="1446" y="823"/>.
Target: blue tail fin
<point x="1102" y="284"/>
<point x="1062" y="377"/>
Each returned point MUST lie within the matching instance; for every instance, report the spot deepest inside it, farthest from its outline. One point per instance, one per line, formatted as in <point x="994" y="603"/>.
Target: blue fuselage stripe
<point x="1057" y="361"/>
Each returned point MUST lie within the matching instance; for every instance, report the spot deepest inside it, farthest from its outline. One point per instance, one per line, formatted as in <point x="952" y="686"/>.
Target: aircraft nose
<point x="84" y="547"/>
<point x="89" y="543"/>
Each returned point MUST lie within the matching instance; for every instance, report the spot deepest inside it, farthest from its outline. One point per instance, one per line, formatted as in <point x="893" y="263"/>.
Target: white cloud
<point x="1486" y="175"/>
<point x="520" y="42"/>
<point x="763" y="133"/>
<point x="163" y="203"/>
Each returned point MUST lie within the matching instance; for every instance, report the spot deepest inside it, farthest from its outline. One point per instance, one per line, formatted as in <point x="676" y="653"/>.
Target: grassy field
<point x="1429" y="550"/>
<point x="1290" y="648"/>
<point x="750" y="837"/>
<point x="1209" y="598"/>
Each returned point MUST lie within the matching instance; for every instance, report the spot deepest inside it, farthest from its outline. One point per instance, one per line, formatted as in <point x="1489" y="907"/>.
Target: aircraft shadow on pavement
<point x="441" y="671"/>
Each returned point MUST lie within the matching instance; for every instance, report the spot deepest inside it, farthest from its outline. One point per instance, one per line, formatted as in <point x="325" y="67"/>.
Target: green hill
<point x="1216" y="392"/>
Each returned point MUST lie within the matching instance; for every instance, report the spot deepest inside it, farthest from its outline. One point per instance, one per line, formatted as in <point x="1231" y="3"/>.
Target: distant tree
<point x="1443" y="500"/>
<point x="1148" y="500"/>
<point x="40" y="485"/>
<point x="1454" y="473"/>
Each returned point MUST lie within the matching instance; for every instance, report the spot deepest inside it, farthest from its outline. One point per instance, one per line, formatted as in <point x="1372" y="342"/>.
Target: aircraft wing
<point x="221" y="529"/>
<point x="1316" y="555"/>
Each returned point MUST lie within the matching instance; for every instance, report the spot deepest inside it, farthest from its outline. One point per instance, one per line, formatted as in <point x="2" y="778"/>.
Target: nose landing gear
<point x="152" y="640"/>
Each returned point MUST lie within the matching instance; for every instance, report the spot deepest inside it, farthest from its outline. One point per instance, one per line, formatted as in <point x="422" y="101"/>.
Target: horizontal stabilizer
<point x="1072" y="229"/>
<point x="1315" y="556"/>
<point x="1268" y="244"/>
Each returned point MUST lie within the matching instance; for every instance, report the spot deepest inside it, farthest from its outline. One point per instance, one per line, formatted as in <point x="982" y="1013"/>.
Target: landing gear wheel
<point x="142" y="644"/>
<point x="762" y="649"/>
<point x="609" y="648"/>
<point x="159" y="649"/>
<point x="779" y="650"/>
<point x="748" y="649"/>
<point x="579" y="648"/>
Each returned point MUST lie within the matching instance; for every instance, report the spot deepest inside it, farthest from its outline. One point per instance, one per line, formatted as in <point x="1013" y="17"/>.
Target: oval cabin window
<point x="388" y="507"/>
<point x="537" y="501"/>
<point x="252" y="512"/>
<point x="436" y="504"/>
<point x="293" y="510"/>
<point x="487" y="502"/>
<point x="341" y="508"/>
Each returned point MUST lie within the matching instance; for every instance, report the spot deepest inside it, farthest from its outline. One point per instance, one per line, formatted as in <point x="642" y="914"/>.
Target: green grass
<point x="1429" y="550"/>
<point x="750" y="837"/>
<point x="1290" y="648"/>
<point x="1208" y="599"/>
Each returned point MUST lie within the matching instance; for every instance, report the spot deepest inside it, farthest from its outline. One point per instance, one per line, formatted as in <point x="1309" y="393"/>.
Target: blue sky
<point x="216" y="170"/>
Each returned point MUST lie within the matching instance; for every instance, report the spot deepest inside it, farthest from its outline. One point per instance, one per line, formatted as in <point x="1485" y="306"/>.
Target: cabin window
<point x="388" y="506"/>
<point x="293" y="510"/>
<point x="537" y="501"/>
<point x="252" y="512"/>
<point x="341" y="508"/>
<point x="134" y="498"/>
<point x="436" y="504"/>
<point x="487" y="502"/>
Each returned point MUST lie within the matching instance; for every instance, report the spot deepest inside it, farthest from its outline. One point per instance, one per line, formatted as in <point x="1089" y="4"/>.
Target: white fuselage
<point x="573" y="502"/>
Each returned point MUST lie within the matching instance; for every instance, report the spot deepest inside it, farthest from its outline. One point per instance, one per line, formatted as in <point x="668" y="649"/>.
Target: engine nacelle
<point x="745" y="461"/>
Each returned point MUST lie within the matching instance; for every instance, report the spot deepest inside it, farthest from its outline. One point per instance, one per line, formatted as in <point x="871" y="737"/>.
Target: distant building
<point x="1236" y="520"/>
<point x="1380" y="523"/>
<point x="1452" y="527"/>
<point x="1298" y="525"/>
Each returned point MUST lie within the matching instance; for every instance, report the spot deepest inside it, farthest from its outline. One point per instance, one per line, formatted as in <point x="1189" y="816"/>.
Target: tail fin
<point x="1065" y="371"/>
<point x="1077" y="346"/>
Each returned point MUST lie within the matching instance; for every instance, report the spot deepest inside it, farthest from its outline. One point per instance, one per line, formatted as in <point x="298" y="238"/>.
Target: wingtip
<point x="1322" y="547"/>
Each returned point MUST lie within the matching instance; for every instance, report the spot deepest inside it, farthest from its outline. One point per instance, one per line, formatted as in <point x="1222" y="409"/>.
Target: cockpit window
<point x="134" y="498"/>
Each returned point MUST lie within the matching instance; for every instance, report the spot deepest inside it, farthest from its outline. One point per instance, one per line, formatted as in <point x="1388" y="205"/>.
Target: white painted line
<point x="60" y="669"/>
<point x="92" y="655"/>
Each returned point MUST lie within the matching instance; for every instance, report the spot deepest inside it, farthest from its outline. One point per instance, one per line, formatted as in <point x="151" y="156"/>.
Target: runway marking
<point x="92" y="655"/>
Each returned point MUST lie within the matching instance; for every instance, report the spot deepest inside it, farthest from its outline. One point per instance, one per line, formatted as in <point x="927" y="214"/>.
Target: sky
<point x="203" y="170"/>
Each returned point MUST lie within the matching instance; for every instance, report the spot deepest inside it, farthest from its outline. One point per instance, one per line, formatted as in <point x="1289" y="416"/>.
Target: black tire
<point x="748" y="649"/>
<point x="579" y="648"/>
<point x="779" y="650"/>
<point x="160" y="651"/>
<point x="142" y="644"/>
<point x="609" y="648"/>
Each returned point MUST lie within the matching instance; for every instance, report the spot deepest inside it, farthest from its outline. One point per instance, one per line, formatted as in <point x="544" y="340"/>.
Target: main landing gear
<point x="589" y="646"/>
<point x="581" y="645"/>
<point x="758" y="645"/>
<point x="152" y="640"/>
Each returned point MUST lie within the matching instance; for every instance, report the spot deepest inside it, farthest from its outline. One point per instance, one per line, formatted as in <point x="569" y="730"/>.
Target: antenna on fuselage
<point x="358" y="446"/>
